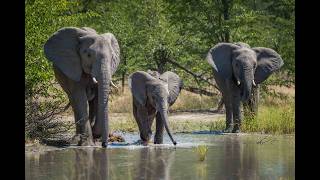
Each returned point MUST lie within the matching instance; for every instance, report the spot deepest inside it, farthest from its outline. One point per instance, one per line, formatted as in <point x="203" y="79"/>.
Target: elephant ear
<point x="115" y="51"/>
<point x="268" y="61"/>
<point x="137" y="83"/>
<point x="174" y="85"/>
<point x="62" y="49"/>
<point x="220" y="58"/>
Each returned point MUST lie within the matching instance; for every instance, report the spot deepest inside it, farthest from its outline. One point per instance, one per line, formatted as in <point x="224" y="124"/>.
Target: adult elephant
<point x="84" y="62"/>
<point x="237" y="68"/>
<point x="152" y="95"/>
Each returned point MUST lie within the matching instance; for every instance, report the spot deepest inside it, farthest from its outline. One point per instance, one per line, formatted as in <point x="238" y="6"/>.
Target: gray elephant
<point x="152" y="95"/>
<point x="237" y="68"/>
<point x="84" y="62"/>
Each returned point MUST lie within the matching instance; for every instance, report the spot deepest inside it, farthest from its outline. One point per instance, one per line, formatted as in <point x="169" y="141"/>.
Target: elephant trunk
<point x="248" y="78"/>
<point x="163" y="110"/>
<point x="104" y="80"/>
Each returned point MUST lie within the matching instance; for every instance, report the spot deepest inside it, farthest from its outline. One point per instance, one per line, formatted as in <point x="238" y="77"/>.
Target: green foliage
<point x="43" y="18"/>
<point x="43" y="97"/>
<point x="149" y="31"/>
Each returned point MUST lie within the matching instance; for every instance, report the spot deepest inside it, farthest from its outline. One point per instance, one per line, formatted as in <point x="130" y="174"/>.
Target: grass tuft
<point x="201" y="151"/>
<point x="272" y="119"/>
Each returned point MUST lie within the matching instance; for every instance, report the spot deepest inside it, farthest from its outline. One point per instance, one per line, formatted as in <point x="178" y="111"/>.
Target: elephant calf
<point x="237" y="68"/>
<point x="152" y="95"/>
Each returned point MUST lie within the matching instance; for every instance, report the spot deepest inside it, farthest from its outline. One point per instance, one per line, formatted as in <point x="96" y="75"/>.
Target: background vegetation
<point x="155" y="34"/>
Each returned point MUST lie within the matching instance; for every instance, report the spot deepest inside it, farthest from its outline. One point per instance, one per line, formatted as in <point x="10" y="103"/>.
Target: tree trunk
<point x="226" y="4"/>
<point x="220" y="105"/>
<point x="124" y="73"/>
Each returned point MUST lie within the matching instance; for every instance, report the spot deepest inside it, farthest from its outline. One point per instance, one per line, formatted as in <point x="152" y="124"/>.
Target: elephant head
<point x="244" y="65"/>
<point x="78" y="51"/>
<point x="160" y="92"/>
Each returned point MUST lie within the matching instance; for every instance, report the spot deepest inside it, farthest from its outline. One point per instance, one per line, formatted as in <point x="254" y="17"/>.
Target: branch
<point x="193" y="74"/>
<point x="199" y="91"/>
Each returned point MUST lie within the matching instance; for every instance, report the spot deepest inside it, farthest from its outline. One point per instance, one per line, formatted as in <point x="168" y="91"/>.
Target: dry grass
<point x="122" y="102"/>
<point x="188" y="100"/>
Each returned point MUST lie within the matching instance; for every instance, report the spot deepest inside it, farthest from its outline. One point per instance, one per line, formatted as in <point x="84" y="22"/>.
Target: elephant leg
<point x="91" y="113"/>
<point x="151" y="116"/>
<point x="227" y="99"/>
<point x="158" y="137"/>
<point x="236" y="114"/>
<point x="229" y="115"/>
<point x="79" y="104"/>
<point x="141" y="119"/>
<point x="225" y="87"/>
<point x="135" y="114"/>
<point x="67" y="85"/>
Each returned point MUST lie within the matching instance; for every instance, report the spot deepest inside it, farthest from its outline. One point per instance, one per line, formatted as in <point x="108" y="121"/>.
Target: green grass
<point x="272" y="119"/>
<point x="201" y="151"/>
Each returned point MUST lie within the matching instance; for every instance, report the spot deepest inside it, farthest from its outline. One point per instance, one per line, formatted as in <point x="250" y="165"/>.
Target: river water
<point x="229" y="156"/>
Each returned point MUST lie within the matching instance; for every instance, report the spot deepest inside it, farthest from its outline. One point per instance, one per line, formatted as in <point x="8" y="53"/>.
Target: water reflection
<point x="154" y="163"/>
<point x="239" y="160"/>
<point x="75" y="164"/>
<point x="228" y="157"/>
<point x="90" y="164"/>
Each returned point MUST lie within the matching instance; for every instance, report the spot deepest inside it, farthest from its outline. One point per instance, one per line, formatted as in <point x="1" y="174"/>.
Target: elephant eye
<point x="89" y="55"/>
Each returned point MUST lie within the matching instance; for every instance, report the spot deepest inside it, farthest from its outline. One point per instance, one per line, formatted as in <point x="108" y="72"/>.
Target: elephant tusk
<point x="94" y="80"/>
<point x="113" y="85"/>
<point x="253" y="83"/>
<point x="238" y="82"/>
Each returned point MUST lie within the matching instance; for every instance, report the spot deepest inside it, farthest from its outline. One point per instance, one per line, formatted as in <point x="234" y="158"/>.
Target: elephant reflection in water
<point x="91" y="164"/>
<point x="239" y="160"/>
<point x="154" y="163"/>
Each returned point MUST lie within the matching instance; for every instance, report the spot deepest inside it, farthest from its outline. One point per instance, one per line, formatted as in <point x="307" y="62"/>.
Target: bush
<point x="44" y="100"/>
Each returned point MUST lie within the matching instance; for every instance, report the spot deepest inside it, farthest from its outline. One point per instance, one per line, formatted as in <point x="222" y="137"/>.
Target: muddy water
<point x="228" y="157"/>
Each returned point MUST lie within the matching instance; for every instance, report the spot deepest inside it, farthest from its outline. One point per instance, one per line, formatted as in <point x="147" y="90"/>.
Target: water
<point x="228" y="157"/>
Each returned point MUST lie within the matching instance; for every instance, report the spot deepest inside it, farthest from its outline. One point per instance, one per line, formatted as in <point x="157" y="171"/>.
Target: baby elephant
<point x="152" y="95"/>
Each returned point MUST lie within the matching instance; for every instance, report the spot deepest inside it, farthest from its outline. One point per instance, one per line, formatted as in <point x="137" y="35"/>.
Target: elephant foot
<point x="228" y="129"/>
<point x="142" y="142"/>
<point x="96" y="136"/>
<point x="158" y="140"/>
<point x="85" y="141"/>
<point x="75" y="139"/>
<point x="236" y="128"/>
<point x="104" y="144"/>
<point x="145" y="143"/>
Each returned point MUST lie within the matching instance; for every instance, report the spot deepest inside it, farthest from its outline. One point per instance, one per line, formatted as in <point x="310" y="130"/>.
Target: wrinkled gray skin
<point x="236" y="68"/>
<point x="152" y="95"/>
<point x="83" y="63"/>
